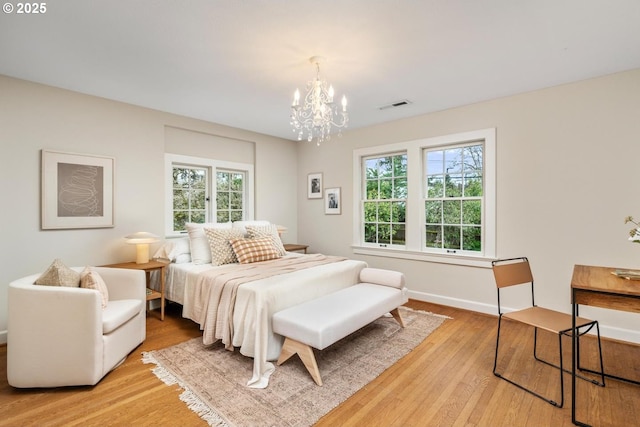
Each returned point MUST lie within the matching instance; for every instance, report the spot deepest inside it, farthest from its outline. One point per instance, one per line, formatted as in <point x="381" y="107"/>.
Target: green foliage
<point x="453" y="209"/>
<point x="229" y="196"/>
<point x="385" y="205"/>
<point x="189" y="196"/>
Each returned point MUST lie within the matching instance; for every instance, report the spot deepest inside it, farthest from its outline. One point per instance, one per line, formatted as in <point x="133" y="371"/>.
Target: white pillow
<point x="200" y="249"/>
<point x="174" y="250"/>
<point x="243" y="224"/>
<point x="182" y="259"/>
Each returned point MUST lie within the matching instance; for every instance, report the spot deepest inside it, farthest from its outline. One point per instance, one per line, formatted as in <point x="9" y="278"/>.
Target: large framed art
<point x="77" y="190"/>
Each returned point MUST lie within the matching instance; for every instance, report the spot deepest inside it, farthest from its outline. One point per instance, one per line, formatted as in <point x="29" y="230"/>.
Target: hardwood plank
<point x="447" y="381"/>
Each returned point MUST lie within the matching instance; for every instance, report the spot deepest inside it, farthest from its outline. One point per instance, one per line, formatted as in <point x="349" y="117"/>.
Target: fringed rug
<point x="214" y="379"/>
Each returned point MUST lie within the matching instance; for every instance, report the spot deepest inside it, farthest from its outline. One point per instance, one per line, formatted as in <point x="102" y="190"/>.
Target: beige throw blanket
<point x="216" y="290"/>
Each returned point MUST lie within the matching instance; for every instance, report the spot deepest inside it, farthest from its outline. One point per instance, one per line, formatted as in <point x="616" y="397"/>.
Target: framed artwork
<point x="332" y="201"/>
<point x="77" y="190"/>
<point x="314" y="186"/>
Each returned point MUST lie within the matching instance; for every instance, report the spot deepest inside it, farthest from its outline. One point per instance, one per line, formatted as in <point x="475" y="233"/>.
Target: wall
<point x="567" y="173"/>
<point x="33" y="117"/>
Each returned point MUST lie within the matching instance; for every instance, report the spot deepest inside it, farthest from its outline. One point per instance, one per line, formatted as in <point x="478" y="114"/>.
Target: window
<point x="431" y="199"/>
<point x="192" y="189"/>
<point x="190" y="195"/>
<point x="385" y="201"/>
<point x="229" y="196"/>
<point x="453" y="200"/>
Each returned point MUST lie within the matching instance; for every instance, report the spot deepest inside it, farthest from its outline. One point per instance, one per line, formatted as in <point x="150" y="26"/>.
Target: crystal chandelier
<point x="318" y="113"/>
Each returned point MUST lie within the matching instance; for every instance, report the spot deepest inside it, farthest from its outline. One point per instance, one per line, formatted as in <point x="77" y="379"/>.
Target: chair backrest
<point x="512" y="271"/>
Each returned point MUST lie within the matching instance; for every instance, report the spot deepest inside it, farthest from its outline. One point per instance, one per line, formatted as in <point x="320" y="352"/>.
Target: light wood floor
<point x="446" y="381"/>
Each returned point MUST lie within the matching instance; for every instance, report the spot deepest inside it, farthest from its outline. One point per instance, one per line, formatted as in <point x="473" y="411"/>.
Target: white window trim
<point x="213" y="165"/>
<point x="415" y="214"/>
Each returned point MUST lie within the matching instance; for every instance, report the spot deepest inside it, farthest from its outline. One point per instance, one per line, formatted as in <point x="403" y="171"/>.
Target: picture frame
<point x="76" y="190"/>
<point x="332" y="201"/>
<point x="314" y="185"/>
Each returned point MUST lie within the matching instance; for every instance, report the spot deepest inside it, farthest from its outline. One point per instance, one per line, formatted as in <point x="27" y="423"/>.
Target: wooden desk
<point x="597" y="286"/>
<point x="148" y="268"/>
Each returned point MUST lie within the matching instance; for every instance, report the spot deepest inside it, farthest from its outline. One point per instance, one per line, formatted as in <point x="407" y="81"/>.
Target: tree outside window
<point x="384" y="207"/>
<point x="454" y="197"/>
<point x="189" y="196"/>
<point x="230" y="194"/>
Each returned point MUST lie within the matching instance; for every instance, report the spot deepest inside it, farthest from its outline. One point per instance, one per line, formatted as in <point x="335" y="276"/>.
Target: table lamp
<point x="141" y="239"/>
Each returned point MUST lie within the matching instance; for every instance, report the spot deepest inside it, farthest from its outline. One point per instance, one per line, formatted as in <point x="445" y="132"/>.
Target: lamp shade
<point x="141" y="239"/>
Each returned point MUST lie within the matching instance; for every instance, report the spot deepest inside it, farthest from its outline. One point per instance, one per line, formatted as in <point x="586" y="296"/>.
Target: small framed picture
<point x="332" y="201"/>
<point x="314" y="186"/>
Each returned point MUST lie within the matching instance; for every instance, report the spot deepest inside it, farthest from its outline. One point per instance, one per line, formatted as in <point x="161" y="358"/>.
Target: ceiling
<point x="238" y="62"/>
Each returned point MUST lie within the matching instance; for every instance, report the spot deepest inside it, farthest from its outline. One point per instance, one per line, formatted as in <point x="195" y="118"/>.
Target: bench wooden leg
<point x="396" y="315"/>
<point x="305" y="352"/>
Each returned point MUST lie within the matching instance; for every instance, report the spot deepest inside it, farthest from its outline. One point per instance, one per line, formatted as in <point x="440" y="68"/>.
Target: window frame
<point x="212" y="166"/>
<point x="415" y="215"/>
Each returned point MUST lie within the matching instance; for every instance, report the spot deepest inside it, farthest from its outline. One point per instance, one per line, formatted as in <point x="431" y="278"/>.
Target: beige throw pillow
<point x="270" y="231"/>
<point x="254" y="250"/>
<point x="198" y="241"/>
<point x="59" y="274"/>
<point x="90" y="279"/>
<point x="221" y="250"/>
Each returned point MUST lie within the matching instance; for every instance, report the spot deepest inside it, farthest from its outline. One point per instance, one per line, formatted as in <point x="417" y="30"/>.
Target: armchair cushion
<point x="119" y="312"/>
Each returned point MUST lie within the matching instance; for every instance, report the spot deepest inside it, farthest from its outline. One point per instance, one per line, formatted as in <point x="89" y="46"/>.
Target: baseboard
<point x="454" y="302"/>
<point x="611" y="332"/>
<point x="3" y="337"/>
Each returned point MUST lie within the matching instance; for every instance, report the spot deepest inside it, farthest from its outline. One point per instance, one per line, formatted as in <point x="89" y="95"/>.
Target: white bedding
<point x="257" y="301"/>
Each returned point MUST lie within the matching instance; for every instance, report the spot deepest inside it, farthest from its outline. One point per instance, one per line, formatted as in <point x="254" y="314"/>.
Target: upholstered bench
<point x="321" y="322"/>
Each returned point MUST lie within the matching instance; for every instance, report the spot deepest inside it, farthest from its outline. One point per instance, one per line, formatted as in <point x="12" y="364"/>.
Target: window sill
<point x="468" y="261"/>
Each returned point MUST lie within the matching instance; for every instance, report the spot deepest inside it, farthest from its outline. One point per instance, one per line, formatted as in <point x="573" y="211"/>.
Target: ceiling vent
<point x="396" y="104"/>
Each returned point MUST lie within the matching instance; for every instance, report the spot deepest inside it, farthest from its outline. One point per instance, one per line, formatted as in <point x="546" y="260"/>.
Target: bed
<point x="248" y="318"/>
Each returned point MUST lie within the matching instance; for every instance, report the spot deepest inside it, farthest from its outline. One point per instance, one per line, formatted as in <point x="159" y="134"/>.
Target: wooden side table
<point x="148" y="268"/>
<point x="294" y="247"/>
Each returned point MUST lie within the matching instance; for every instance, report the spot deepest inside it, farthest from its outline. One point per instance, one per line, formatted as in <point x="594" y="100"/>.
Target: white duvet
<point x="257" y="301"/>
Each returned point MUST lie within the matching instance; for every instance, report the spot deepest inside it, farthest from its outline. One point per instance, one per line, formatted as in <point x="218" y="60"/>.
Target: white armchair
<point x="61" y="336"/>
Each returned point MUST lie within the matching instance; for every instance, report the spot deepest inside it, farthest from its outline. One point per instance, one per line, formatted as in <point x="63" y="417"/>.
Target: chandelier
<point x="318" y="113"/>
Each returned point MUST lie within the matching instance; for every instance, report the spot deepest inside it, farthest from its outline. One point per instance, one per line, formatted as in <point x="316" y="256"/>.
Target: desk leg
<point x="574" y="357"/>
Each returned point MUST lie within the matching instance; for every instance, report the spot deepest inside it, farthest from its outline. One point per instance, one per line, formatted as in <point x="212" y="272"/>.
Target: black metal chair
<point x="516" y="271"/>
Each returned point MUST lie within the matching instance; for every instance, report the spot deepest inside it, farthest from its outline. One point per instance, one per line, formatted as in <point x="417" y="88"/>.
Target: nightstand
<point x="294" y="247"/>
<point x="148" y="268"/>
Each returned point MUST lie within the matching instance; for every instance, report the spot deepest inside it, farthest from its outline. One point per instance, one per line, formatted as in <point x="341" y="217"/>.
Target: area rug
<point x="214" y="379"/>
